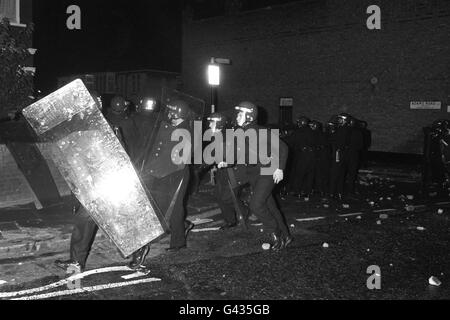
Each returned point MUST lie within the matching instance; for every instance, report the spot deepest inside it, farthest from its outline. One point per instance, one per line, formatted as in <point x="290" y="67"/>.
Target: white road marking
<point x="88" y="289"/>
<point x="384" y="210"/>
<point x="310" y="219"/>
<point x="205" y="215"/>
<point x="351" y="214"/>
<point x="135" y="275"/>
<point x="64" y="281"/>
<point x="201" y="221"/>
<point x="205" y="229"/>
<point x="441" y="203"/>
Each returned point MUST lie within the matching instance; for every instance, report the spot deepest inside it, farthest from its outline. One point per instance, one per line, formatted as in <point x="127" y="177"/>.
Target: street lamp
<point x="214" y="78"/>
<point x="214" y="82"/>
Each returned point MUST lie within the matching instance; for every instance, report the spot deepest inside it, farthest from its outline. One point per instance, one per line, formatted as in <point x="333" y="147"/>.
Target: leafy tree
<point x="16" y="84"/>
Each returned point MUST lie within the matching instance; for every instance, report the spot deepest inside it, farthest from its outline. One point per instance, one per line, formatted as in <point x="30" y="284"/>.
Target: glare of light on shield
<point x="117" y="186"/>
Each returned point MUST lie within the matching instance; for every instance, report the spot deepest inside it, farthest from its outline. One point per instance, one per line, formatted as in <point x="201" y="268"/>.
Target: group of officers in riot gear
<point x="326" y="159"/>
<point x="146" y="137"/>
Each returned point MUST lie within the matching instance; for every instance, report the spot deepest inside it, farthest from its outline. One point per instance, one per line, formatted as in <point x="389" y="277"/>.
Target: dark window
<point x="203" y="9"/>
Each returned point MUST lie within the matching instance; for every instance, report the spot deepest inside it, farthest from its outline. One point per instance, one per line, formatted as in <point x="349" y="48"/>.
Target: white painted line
<point x="88" y="289"/>
<point x="205" y="229"/>
<point x="135" y="275"/>
<point x="3" y="282"/>
<point x="205" y="215"/>
<point x="441" y="203"/>
<point x="384" y="210"/>
<point x="257" y="224"/>
<point x="201" y="221"/>
<point x="310" y="219"/>
<point x="351" y="214"/>
<point x="63" y="282"/>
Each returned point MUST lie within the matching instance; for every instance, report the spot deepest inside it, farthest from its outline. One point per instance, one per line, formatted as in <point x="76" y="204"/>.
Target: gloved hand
<point x="222" y="165"/>
<point x="278" y="176"/>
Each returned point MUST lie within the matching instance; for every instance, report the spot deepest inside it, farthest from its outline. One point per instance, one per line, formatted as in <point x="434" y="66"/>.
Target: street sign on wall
<point x="426" y="105"/>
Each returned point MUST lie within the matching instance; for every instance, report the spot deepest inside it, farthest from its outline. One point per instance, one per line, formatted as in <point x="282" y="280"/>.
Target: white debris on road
<point x="434" y="281"/>
<point x="266" y="246"/>
<point x="325" y="245"/>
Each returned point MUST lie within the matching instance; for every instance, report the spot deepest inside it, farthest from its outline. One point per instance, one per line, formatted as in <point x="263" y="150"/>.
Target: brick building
<point x="20" y="14"/>
<point x="322" y="55"/>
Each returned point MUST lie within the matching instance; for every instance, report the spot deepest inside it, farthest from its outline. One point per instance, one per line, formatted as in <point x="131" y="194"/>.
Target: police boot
<point x="277" y="242"/>
<point x="188" y="226"/>
<point x="228" y="225"/>
<point x="138" y="258"/>
<point x="287" y="240"/>
<point x="70" y="266"/>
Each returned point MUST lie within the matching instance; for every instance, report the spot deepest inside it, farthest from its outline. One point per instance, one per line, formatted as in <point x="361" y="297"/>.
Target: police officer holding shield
<point x="166" y="170"/>
<point x="85" y="228"/>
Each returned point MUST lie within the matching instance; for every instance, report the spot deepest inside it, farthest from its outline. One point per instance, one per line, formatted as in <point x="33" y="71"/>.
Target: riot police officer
<point x="367" y="143"/>
<point x="304" y="162"/>
<point x="339" y="140"/>
<point x="85" y="228"/>
<point x="166" y="177"/>
<point x="227" y="188"/>
<point x="346" y="143"/>
<point x="262" y="203"/>
<point x="321" y="158"/>
<point x="355" y="146"/>
<point x="123" y="125"/>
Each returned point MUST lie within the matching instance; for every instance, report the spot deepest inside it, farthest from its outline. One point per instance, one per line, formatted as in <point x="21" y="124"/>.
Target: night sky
<point x="114" y="36"/>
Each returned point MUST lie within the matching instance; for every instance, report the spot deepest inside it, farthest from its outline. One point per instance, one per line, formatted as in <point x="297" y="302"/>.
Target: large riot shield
<point x="160" y="174"/>
<point x="96" y="167"/>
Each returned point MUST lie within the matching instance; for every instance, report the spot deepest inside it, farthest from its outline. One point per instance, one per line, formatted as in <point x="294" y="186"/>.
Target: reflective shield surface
<point x="96" y="166"/>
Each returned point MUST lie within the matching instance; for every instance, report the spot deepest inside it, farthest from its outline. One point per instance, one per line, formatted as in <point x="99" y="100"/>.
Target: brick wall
<point x="322" y="54"/>
<point x="14" y="189"/>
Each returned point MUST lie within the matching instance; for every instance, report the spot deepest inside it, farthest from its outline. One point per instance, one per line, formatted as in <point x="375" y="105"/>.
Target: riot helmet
<point x="148" y="105"/>
<point x="343" y="119"/>
<point x="303" y="122"/>
<point x="217" y="122"/>
<point x="177" y="110"/>
<point x="247" y="113"/>
<point x="315" y="125"/>
<point x="118" y="104"/>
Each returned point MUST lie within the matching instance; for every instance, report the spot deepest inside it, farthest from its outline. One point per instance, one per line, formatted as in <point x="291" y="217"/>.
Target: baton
<point x="236" y="203"/>
<point x="172" y="203"/>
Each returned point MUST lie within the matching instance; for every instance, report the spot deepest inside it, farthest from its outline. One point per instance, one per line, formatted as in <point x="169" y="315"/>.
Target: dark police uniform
<point x="168" y="181"/>
<point x="355" y="146"/>
<point x="262" y="203"/>
<point x="346" y="143"/>
<point x="304" y="161"/>
<point x="226" y="183"/>
<point x="322" y="161"/>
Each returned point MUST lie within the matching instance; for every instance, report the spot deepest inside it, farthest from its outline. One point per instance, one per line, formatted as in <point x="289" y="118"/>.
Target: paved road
<point x="406" y="248"/>
<point x="232" y="265"/>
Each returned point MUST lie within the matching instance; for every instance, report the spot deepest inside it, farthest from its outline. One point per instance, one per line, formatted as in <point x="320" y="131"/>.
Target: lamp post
<point x="214" y="82"/>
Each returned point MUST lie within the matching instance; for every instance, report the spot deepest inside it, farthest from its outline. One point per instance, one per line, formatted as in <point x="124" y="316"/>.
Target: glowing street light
<point x="214" y="75"/>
